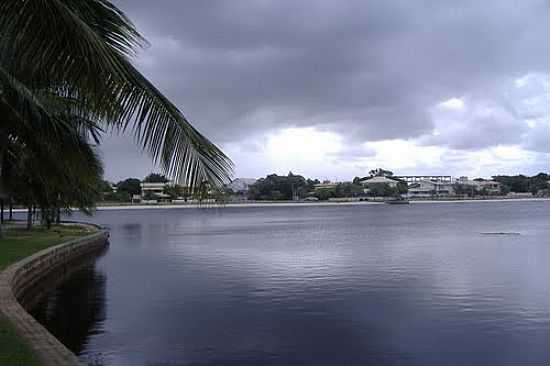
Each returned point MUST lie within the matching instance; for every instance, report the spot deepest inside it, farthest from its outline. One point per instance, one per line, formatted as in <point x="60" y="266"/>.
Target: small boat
<point x="397" y="201"/>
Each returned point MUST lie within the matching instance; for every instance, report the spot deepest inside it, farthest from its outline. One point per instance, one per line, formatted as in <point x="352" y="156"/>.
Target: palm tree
<point x="80" y="51"/>
<point x="53" y="175"/>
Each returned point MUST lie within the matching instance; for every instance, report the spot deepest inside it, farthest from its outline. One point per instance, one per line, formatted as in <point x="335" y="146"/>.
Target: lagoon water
<point x="422" y="284"/>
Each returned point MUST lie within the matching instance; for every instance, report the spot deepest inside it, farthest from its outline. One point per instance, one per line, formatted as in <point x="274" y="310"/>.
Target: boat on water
<point x="397" y="201"/>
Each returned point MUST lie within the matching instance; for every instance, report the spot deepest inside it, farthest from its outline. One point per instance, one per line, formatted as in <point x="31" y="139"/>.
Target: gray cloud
<point x="538" y="139"/>
<point x="368" y="70"/>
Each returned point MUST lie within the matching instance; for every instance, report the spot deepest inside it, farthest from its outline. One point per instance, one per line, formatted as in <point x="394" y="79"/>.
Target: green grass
<point x="18" y="244"/>
<point x="13" y="351"/>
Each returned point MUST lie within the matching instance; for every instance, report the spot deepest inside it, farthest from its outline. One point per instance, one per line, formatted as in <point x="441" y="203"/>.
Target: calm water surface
<point x="348" y="285"/>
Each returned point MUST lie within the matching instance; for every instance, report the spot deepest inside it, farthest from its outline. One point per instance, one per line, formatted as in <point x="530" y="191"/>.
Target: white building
<point x="445" y="188"/>
<point x="490" y="186"/>
<point x="155" y="190"/>
<point x="428" y="188"/>
<point x="487" y="186"/>
<point x="325" y="185"/>
<point x="379" y="180"/>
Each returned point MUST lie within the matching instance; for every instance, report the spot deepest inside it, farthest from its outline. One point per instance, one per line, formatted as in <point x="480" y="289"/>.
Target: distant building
<point x="379" y="180"/>
<point x="325" y="185"/>
<point x="519" y="195"/>
<point x="481" y="185"/>
<point x="445" y="186"/>
<point x="433" y="178"/>
<point x="429" y="188"/>
<point x="155" y="190"/>
<point x="240" y="188"/>
<point x="490" y="186"/>
<point x="241" y="185"/>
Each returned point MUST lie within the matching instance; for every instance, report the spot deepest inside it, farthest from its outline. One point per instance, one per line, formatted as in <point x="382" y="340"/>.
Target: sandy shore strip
<point x="295" y="204"/>
<point x="307" y="204"/>
<point x="238" y="205"/>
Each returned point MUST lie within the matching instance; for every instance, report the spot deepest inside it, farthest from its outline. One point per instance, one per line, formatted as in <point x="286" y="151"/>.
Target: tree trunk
<point x="1" y="211"/>
<point x="58" y="216"/>
<point x="11" y="210"/>
<point x="49" y="220"/>
<point x="2" y="151"/>
<point x="48" y="217"/>
<point x="29" y="218"/>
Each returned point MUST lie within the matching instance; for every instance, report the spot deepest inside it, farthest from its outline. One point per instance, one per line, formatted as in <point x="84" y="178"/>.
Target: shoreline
<point x="19" y="277"/>
<point x="295" y="204"/>
<point x="304" y="204"/>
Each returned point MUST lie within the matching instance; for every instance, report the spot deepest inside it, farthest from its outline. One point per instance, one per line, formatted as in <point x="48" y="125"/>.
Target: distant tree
<point x="340" y="190"/>
<point x="311" y="183"/>
<point x="522" y="184"/>
<point x="149" y="196"/>
<point x="220" y="195"/>
<point x="380" y="173"/>
<point x="324" y="194"/>
<point x="381" y="190"/>
<point x="468" y="190"/>
<point x="105" y="186"/>
<point x="155" y="178"/>
<point x="278" y="187"/>
<point x="118" y="196"/>
<point x="517" y="183"/>
<point x="176" y="191"/>
<point x="348" y="189"/>
<point x="538" y="182"/>
<point x="401" y="188"/>
<point x="130" y="186"/>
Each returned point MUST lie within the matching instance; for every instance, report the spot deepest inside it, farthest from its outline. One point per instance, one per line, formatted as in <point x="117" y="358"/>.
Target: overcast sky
<point x="332" y="89"/>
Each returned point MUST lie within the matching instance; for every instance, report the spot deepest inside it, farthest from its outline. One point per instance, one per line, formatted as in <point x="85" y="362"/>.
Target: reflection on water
<point x="79" y="287"/>
<point x="352" y="285"/>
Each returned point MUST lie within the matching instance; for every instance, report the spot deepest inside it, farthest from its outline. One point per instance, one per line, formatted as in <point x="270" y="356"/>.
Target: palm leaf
<point x="82" y="46"/>
<point x="22" y="110"/>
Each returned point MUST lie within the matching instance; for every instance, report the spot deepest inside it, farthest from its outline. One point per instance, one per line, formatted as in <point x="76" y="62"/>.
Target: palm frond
<point x="83" y="46"/>
<point x="161" y="128"/>
<point x="21" y="109"/>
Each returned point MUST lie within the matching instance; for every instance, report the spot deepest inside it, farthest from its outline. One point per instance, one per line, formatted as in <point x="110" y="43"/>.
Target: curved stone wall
<point x="21" y="276"/>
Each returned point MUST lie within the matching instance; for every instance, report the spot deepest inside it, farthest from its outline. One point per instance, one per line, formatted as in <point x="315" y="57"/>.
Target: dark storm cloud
<point x="367" y="69"/>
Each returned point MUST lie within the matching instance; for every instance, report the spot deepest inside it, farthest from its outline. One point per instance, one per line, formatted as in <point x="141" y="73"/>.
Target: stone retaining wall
<point x="21" y="276"/>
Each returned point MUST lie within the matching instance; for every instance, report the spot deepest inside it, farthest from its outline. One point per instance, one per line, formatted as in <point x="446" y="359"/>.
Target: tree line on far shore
<point x="278" y="187"/>
<point x="296" y="187"/>
<point x="293" y="187"/>
<point x="522" y="183"/>
<point x="126" y="190"/>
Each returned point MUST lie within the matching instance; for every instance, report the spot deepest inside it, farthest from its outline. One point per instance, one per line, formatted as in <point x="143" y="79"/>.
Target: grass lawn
<point x="18" y="244"/>
<point x="13" y="351"/>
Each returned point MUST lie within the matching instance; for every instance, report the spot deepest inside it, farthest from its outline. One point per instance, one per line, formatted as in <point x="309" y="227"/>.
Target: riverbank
<point x="301" y="204"/>
<point x="16" y="245"/>
<point x="137" y="206"/>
